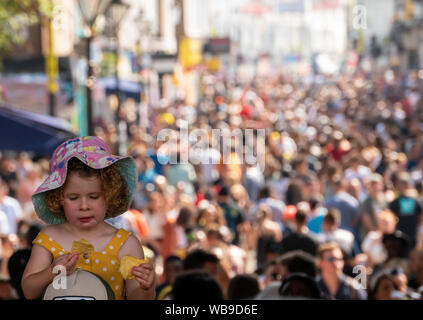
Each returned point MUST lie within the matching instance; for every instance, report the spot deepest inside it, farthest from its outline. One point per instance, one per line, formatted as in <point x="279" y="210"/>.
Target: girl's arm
<point x="142" y="287"/>
<point x="38" y="272"/>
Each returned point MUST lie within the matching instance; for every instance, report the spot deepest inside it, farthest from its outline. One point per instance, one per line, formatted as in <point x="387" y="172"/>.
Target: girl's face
<point x="84" y="204"/>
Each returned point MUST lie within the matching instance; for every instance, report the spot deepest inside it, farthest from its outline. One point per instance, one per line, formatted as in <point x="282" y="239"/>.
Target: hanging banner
<point x="190" y="52"/>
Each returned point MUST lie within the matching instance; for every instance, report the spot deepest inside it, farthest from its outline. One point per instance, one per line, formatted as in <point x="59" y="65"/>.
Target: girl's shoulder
<point x="132" y="247"/>
<point x="53" y="230"/>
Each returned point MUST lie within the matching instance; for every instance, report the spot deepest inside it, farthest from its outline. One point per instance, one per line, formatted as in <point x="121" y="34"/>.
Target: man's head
<point x="196" y="285"/>
<point x="243" y="286"/>
<point x="403" y="183"/>
<point x="201" y="259"/>
<point x="224" y="194"/>
<point x="4" y="189"/>
<point x="331" y="259"/>
<point x="300" y="285"/>
<point x="332" y="220"/>
<point x="16" y="267"/>
<point x="396" y="244"/>
<point x="354" y="161"/>
<point x="375" y="184"/>
<point x="297" y="261"/>
<point x="300" y="165"/>
<point x="303" y="209"/>
<point x="265" y="192"/>
<point x="337" y="183"/>
<point x="315" y="201"/>
<point x="172" y="267"/>
<point x="387" y="221"/>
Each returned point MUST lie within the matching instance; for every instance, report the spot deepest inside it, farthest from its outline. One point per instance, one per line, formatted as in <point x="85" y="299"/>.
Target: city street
<point x="199" y="150"/>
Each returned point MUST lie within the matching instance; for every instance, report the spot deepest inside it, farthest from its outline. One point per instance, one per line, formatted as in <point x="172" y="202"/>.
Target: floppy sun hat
<point x="93" y="152"/>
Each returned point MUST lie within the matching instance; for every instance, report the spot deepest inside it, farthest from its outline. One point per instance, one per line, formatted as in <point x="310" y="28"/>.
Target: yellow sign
<point x="52" y="73"/>
<point x="51" y="63"/>
<point x="190" y="52"/>
<point x="213" y="64"/>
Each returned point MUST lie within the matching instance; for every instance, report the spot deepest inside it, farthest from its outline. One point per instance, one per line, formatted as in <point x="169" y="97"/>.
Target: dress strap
<point x="50" y="244"/>
<point x="118" y="240"/>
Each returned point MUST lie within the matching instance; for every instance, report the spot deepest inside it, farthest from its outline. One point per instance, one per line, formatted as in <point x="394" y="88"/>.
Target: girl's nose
<point x="84" y="203"/>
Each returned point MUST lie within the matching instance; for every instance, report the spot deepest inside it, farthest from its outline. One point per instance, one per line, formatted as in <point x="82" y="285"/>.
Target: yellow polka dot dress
<point x="105" y="264"/>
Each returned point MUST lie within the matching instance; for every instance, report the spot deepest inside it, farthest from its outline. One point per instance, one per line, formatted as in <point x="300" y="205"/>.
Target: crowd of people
<point x="334" y="212"/>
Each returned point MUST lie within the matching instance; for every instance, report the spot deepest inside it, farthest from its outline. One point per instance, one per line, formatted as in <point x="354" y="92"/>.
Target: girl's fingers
<point x="71" y="263"/>
<point x="147" y="267"/>
<point x="139" y="274"/>
<point x="144" y="283"/>
<point x="66" y="258"/>
<point x="143" y="276"/>
<point x="73" y="259"/>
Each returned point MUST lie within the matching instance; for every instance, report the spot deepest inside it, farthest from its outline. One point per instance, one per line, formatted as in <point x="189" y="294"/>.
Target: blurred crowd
<point x="334" y="212"/>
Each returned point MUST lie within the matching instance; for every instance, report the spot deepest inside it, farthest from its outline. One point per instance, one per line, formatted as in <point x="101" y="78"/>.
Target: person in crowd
<point x="374" y="203"/>
<point x="347" y="205"/>
<point x="27" y="184"/>
<point x="331" y="232"/>
<point x="372" y="244"/>
<point x="8" y="173"/>
<point x="266" y="197"/>
<point x="156" y="216"/>
<point x="382" y="285"/>
<point x="317" y="213"/>
<point x="201" y="259"/>
<point x="415" y="267"/>
<point x="407" y="209"/>
<point x="397" y="246"/>
<point x="268" y="236"/>
<point x="10" y="206"/>
<point x="243" y="286"/>
<point x="301" y="238"/>
<point x="196" y="285"/>
<point x="332" y="282"/>
<point x="297" y="261"/>
<point x="18" y="260"/>
<point x="173" y="266"/>
<point x="300" y="286"/>
<point x="232" y="258"/>
<point x="234" y="216"/>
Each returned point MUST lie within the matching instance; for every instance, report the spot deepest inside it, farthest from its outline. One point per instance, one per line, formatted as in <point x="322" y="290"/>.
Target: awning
<point x="26" y="131"/>
<point x="127" y="89"/>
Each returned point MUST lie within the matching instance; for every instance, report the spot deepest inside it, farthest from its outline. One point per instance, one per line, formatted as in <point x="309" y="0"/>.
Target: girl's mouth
<point x="85" y="219"/>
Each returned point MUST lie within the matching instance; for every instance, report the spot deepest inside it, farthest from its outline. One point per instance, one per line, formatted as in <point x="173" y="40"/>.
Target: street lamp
<point x="90" y="10"/>
<point x="114" y="16"/>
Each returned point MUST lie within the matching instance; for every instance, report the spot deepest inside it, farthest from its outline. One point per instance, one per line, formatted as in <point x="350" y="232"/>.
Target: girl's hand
<point x="68" y="260"/>
<point x="144" y="274"/>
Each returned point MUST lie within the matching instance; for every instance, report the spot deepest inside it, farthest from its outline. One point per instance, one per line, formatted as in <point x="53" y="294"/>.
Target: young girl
<point x="86" y="185"/>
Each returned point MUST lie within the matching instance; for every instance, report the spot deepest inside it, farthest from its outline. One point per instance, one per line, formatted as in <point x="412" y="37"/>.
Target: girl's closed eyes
<point x="76" y="196"/>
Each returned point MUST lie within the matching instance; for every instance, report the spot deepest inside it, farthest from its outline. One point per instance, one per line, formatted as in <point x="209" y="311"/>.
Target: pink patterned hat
<point x="93" y="152"/>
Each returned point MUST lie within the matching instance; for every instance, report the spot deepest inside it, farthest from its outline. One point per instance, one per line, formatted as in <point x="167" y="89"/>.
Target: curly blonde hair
<point x="114" y="188"/>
